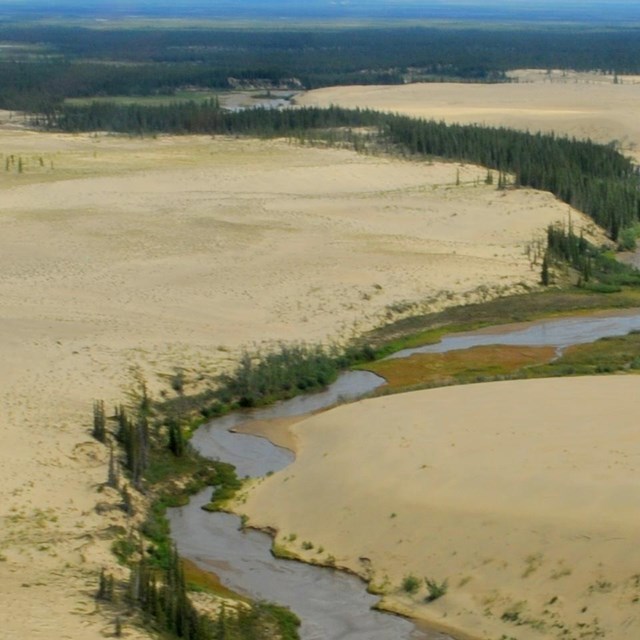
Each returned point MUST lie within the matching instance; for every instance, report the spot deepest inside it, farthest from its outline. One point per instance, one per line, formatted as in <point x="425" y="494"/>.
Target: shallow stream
<point x="331" y="604"/>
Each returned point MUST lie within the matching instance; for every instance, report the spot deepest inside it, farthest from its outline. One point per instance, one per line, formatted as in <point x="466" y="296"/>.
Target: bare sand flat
<point x="522" y="495"/>
<point x="580" y="105"/>
<point x="152" y="254"/>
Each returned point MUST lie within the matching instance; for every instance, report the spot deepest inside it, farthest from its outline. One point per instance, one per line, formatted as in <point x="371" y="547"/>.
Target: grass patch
<point x="280" y="618"/>
<point x="411" y="584"/>
<point x="429" y="328"/>
<point x="460" y="366"/>
<point x="435" y="590"/>
<point x="226" y="484"/>
<point x="198" y="579"/>
<point x="282" y="552"/>
<point x="486" y="364"/>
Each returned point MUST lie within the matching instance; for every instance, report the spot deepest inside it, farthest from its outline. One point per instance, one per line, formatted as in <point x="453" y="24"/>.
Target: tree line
<point x="596" y="269"/>
<point x="46" y="63"/>
<point x="339" y="49"/>
<point x="591" y="177"/>
<point x="163" y="597"/>
<point x="154" y="458"/>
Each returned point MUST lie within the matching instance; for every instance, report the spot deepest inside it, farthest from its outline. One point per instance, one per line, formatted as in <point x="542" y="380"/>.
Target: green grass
<point x="411" y="584"/>
<point x="226" y="484"/>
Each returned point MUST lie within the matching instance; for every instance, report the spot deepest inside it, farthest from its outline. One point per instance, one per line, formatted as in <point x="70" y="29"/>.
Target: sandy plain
<point x="122" y="255"/>
<point x="126" y="255"/>
<point x="521" y="495"/>
<point x="567" y="103"/>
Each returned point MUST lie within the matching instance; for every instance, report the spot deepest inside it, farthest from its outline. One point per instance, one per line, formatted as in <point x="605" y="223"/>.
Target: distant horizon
<point x="542" y="11"/>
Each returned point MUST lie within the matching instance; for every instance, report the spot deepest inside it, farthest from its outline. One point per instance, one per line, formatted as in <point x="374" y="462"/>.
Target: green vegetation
<point x="148" y="100"/>
<point x="42" y="64"/>
<point x="436" y="589"/>
<point x="160" y="464"/>
<point x="410" y="584"/>
<point x="292" y="369"/>
<point x="163" y="596"/>
<point x="628" y="237"/>
<point x="431" y="327"/>
<point x="261" y="378"/>
<point x="597" y="269"/>
<point x="226" y="483"/>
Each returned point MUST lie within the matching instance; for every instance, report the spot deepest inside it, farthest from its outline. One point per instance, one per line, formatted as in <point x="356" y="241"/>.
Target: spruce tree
<point x="544" y="276"/>
<point x="99" y="421"/>
<point x="113" y="480"/>
<point x="176" y="438"/>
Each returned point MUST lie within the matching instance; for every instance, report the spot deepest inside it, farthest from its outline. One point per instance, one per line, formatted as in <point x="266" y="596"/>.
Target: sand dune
<point x="152" y="254"/>
<point x="580" y="105"/>
<point x="522" y="495"/>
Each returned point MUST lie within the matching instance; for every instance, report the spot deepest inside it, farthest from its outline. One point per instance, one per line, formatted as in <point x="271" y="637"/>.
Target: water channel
<point x="332" y="605"/>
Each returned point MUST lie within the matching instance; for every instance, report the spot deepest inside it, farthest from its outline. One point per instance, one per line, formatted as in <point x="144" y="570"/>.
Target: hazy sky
<point x="545" y="10"/>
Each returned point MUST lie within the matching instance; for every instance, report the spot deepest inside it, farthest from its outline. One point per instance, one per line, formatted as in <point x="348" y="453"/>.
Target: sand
<point x="580" y="105"/>
<point x="122" y="257"/>
<point x="522" y="495"/>
<point x="125" y="255"/>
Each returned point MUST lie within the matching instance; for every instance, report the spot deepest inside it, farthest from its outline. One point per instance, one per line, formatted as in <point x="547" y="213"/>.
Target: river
<point x="331" y="604"/>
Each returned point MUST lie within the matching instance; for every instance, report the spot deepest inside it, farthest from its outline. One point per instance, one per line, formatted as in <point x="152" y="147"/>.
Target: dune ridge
<point x="521" y="495"/>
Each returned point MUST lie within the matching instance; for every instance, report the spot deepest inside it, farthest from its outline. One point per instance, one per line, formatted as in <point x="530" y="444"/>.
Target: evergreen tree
<point x="113" y="479"/>
<point x="544" y="276"/>
<point x="99" y="421"/>
<point x="176" y="438"/>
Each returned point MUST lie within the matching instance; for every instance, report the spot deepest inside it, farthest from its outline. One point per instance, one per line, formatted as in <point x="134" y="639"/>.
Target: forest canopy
<point x="41" y="64"/>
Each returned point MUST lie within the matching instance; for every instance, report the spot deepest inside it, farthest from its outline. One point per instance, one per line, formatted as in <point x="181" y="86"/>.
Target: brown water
<point x="332" y="605"/>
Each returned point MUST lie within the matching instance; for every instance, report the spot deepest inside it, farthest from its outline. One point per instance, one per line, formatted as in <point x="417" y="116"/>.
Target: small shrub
<point x="410" y="584"/>
<point x="514" y="613"/>
<point x="436" y="590"/>
<point x="627" y="239"/>
<point x="123" y="549"/>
